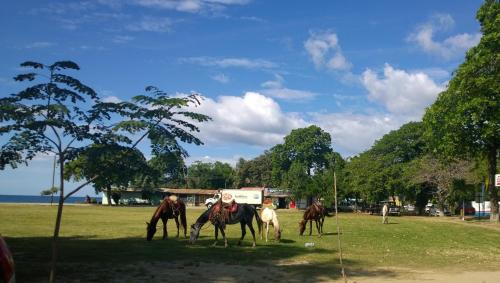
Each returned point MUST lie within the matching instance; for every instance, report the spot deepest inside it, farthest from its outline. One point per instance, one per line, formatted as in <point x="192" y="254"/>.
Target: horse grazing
<point x="315" y="212"/>
<point x="170" y="208"/>
<point x="268" y="216"/>
<point x="219" y="217"/>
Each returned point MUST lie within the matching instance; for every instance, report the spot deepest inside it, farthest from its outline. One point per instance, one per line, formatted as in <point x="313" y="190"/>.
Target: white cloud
<point x="151" y="24"/>
<point x="253" y="19"/>
<point x="230" y="62"/>
<point x="221" y="78"/>
<point x="252" y="119"/>
<point x="120" y="39"/>
<point x="401" y="92"/>
<point x="39" y="44"/>
<point x="276" y="89"/>
<point x="354" y="133"/>
<point x="325" y="51"/>
<point x="448" y="48"/>
<point x="190" y="6"/>
<point x="112" y="99"/>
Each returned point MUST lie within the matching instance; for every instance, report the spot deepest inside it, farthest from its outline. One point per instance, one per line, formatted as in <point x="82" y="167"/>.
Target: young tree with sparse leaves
<point x="59" y="114"/>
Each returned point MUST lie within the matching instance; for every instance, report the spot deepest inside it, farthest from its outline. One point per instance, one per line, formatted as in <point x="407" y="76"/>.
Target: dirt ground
<point x="210" y="272"/>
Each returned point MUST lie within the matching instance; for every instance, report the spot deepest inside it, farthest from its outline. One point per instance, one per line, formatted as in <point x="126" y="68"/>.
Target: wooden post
<point x="338" y="227"/>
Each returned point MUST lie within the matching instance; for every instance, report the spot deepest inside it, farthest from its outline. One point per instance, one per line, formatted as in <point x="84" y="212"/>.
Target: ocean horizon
<point x="42" y="199"/>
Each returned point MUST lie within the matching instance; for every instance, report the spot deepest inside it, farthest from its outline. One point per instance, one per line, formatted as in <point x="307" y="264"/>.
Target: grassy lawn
<point x="114" y="238"/>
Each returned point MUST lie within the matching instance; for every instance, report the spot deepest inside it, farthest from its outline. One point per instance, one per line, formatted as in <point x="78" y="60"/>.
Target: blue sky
<point x="357" y="69"/>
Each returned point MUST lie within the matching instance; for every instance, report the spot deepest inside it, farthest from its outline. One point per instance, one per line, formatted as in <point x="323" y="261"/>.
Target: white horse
<point x="385" y="212"/>
<point x="268" y="216"/>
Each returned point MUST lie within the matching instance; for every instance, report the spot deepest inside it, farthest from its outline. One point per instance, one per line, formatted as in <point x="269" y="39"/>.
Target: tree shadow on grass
<point x="81" y="256"/>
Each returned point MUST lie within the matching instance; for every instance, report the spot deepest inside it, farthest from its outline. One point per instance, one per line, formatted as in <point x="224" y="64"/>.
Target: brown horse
<point x="315" y="212"/>
<point x="168" y="209"/>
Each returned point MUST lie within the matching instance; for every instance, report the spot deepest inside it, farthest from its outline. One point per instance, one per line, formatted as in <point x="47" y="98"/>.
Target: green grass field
<point x="114" y="238"/>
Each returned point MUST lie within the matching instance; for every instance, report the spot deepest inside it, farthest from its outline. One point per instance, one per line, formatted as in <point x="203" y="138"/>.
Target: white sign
<point x="497" y="180"/>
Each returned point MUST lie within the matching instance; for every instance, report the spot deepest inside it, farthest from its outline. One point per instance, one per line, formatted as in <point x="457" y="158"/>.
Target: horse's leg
<point x="243" y="232"/>
<point x="177" y="224"/>
<point x="310" y="227"/>
<point x="224" y="236"/>
<point x="318" y="226"/>
<point x="216" y="235"/>
<point x="165" y="233"/>
<point x="250" y="226"/>
<point x="322" y="222"/>
<point x="267" y="230"/>
<point x="262" y="231"/>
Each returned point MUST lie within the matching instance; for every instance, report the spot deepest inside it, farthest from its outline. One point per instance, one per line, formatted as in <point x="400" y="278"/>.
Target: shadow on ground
<point x="89" y="259"/>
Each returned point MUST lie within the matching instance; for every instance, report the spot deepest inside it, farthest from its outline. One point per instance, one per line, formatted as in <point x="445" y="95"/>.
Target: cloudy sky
<point x="357" y="69"/>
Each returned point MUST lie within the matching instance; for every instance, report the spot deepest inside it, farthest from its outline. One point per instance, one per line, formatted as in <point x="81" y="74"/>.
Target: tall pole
<point x="338" y="227"/>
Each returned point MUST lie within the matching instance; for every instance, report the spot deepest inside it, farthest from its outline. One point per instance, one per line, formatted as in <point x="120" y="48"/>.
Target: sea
<point x="41" y="199"/>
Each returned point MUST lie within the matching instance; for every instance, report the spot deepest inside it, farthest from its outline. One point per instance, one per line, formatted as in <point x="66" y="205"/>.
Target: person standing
<point x="385" y="214"/>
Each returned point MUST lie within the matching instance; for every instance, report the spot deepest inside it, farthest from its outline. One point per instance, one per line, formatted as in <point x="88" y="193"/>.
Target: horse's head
<point x="302" y="226"/>
<point x="151" y="230"/>
<point x="195" y="232"/>
<point x="277" y="235"/>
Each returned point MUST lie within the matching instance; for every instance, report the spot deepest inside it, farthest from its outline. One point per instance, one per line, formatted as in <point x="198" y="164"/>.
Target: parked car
<point x="469" y="209"/>
<point x="374" y="209"/>
<point x="393" y="208"/>
<point x="433" y="210"/>
<point x="7" y="274"/>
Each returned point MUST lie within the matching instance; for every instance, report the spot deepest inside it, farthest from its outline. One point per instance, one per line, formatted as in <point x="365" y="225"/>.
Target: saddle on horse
<point x="174" y="204"/>
<point x="222" y="211"/>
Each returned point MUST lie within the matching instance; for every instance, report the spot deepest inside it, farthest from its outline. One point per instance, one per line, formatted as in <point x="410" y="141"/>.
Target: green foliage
<point x="378" y="172"/>
<point x="464" y="122"/>
<point x="256" y="172"/>
<point x="170" y="170"/>
<point x="116" y="165"/>
<point x="304" y="153"/>
<point x="50" y="116"/>
<point x="216" y="175"/>
<point x="163" y="119"/>
<point x="50" y="191"/>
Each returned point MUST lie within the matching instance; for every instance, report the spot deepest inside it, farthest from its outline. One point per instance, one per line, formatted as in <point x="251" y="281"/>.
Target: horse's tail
<point x="183" y="218"/>
<point x="259" y="221"/>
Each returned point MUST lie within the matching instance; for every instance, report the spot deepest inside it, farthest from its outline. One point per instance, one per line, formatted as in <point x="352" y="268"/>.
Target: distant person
<point x="385" y="214"/>
<point x="87" y="199"/>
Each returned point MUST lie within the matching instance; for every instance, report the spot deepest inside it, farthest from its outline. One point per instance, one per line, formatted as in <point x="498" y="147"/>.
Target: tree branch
<point x="80" y="187"/>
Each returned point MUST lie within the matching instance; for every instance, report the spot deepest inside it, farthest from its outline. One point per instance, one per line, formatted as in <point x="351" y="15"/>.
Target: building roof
<point x="189" y="191"/>
<point x="252" y="188"/>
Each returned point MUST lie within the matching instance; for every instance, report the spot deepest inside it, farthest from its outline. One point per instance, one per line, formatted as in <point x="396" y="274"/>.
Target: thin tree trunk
<point x="492" y="166"/>
<point x="58" y="220"/>
<point x="53" y="181"/>
<point x="108" y="192"/>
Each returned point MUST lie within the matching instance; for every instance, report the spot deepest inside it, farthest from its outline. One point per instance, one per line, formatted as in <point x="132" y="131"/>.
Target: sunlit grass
<point x="97" y="234"/>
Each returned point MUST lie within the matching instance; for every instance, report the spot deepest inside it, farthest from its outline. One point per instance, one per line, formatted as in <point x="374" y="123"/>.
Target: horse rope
<point x="338" y="228"/>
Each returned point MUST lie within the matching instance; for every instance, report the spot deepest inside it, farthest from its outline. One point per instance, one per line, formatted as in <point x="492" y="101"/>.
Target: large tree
<point x="117" y="166"/>
<point x="207" y="175"/>
<point x="442" y="176"/>
<point x="378" y="172"/>
<point x="256" y="172"/>
<point x="304" y="153"/>
<point x="464" y="121"/>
